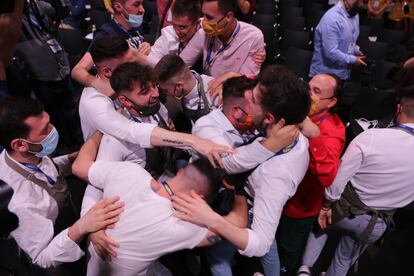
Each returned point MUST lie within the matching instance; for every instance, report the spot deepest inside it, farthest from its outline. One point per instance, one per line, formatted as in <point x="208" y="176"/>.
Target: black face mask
<point x="149" y="110"/>
<point x="146" y="111"/>
<point x="354" y="10"/>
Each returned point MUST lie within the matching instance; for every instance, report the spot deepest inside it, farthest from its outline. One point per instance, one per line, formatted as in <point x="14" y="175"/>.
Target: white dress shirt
<point x="147" y="228"/>
<point x="113" y="149"/>
<point x="192" y="99"/>
<point x="97" y="112"/>
<point x="378" y="162"/>
<point x="271" y="185"/>
<point x="237" y="57"/>
<point x="166" y="44"/>
<point x="37" y="212"/>
<point x="216" y="127"/>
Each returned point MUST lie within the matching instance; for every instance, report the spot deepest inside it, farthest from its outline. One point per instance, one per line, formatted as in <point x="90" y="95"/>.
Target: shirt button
<point x="314" y="149"/>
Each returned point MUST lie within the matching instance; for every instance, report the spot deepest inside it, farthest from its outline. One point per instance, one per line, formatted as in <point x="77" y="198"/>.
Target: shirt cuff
<point x="351" y="59"/>
<point x="253" y="242"/>
<point x="67" y="250"/>
<point x="259" y="152"/>
<point x="144" y="133"/>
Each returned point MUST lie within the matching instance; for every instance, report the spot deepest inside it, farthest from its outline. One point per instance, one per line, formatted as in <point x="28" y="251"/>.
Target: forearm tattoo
<point x="174" y="142"/>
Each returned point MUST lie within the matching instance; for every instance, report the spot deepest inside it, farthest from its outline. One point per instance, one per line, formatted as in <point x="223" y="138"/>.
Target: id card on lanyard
<point x="209" y="59"/>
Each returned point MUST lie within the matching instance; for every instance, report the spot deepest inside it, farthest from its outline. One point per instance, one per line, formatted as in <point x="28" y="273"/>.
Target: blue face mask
<point x="49" y="144"/>
<point x="135" y="20"/>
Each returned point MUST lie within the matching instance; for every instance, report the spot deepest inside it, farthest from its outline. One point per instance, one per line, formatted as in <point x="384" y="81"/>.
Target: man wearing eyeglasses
<point x="301" y="211"/>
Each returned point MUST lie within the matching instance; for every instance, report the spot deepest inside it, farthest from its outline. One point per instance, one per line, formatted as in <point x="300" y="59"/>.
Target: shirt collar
<point x="318" y="117"/>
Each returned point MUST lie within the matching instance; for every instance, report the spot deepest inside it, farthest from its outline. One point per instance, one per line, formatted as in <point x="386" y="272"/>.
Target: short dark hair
<point x="338" y="91"/>
<point x="405" y="97"/>
<point x="13" y="112"/>
<point x="236" y="87"/>
<point x="169" y="66"/>
<point x="213" y="176"/>
<point x="108" y="47"/>
<point x="225" y="6"/>
<point x="126" y="74"/>
<point x="189" y="8"/>
<point x="284" y="94"/>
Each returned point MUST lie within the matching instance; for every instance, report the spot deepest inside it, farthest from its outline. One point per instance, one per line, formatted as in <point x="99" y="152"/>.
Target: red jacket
<point x="324" y="152"/>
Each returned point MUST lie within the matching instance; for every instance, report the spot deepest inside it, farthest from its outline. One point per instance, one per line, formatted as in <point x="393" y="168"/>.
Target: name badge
<point x="54" y="45"/>
<point x="376" y="4"/>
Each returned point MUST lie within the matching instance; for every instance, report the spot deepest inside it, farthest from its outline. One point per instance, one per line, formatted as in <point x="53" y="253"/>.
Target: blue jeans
<point x="220" y="255"/>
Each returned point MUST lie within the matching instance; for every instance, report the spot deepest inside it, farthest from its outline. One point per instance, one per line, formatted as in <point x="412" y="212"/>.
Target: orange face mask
<point x="248" y="124"/>
<point x="314" y="106"/>
<point x="211" y="28"/>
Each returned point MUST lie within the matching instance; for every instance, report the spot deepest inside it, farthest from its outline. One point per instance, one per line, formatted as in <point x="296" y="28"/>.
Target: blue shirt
<point x="112" y="28"/>
<point x="335" y="43"/>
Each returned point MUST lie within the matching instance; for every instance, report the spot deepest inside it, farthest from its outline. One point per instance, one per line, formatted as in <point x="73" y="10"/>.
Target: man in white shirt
<point x="278" y="94"/>
<point x="138" y="96"/>
<point x="174" y="38"/>
<point x="97" y="111"/>
<point x="48" y="231"/>
<point x="377" y="168"/>
<point x="185" y="86"/>
<point x="147" y="228"/>
<point x="225" y="43"/>
<point x="232" y="125"/>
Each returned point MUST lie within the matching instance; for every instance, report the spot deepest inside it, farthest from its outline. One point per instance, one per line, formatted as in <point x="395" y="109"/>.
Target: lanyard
<point x="167" y="188"/>
<point x="323" y="119"/>
<point x="135" y="119"/>
<point x="405" y="128"/>
<point x="209" y="60"/>
<point x="198" y="79"/>
<point x="181" y="47"/>
<point x="287" y="149"/>
<point x="35" y="168"/>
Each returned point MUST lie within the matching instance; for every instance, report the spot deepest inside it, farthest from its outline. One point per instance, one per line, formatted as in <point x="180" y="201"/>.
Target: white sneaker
<point x="304" y="270"/>
<point x="322" y="274"/>
<point x="258" y="274"/>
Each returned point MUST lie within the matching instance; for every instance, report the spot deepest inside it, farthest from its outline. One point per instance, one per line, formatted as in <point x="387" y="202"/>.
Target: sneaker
<point x="258" y="274"/>
<point x="304" y="270"/>
<point x="322" y="274"/>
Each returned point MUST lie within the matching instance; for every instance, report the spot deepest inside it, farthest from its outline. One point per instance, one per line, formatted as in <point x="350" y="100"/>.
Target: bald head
<point x="327" y="89"/>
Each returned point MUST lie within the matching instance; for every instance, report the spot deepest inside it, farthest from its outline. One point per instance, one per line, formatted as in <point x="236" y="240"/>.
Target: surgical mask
<point x="248" y="123"/>
<point x="147" y="110"/>
<point x="49" y="144"/>
<point x="135" y="20"/>
<point x="211" y="28"/>
<point x="314" y="106"/>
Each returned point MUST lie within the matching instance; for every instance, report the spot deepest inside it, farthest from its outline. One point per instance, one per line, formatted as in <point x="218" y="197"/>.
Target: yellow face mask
<point x="211" y="28"/>
<point x="314" y="106"/>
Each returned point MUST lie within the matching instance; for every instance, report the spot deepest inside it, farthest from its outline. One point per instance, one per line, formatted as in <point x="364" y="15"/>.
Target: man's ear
<point x="19" y="145"/>
<point x="332" y="102"/>
<point x="269" y="119"/>
<point x="117" y="7"/>
<point x="230" y="15"/>
<point x="123" y="100"/>
<point x="236" y="112"/>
